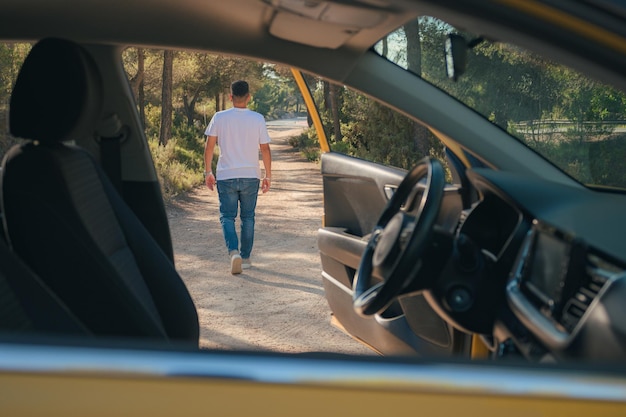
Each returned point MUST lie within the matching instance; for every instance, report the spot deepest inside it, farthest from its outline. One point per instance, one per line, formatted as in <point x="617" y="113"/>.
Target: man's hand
<point x="265" y="185"/>
<point x="209" y="180"/>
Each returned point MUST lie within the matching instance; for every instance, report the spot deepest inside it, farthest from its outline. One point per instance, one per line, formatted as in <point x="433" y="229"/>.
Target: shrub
<point x="178" y="168"/>
<point x="307" y="143"/>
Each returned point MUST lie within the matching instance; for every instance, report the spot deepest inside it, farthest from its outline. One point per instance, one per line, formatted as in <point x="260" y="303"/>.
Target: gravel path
<point x="279" y="304"/>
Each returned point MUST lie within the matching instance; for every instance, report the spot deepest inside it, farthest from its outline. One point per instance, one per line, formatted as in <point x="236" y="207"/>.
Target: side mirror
<point x="456" y="55"/>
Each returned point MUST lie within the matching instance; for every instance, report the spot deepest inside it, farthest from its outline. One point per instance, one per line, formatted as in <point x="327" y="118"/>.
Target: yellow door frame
<point x="312" y="109"/>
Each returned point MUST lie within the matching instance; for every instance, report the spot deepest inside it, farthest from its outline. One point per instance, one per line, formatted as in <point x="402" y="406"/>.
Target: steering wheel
<point x="399" y="239"/>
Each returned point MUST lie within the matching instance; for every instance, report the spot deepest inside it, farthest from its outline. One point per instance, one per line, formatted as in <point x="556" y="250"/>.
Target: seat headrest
<point x="58" y="93"/>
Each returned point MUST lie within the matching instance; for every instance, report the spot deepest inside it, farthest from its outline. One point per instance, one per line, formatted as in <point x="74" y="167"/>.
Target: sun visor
<point x="304" y="30"/>
<point x="321" y="24"/>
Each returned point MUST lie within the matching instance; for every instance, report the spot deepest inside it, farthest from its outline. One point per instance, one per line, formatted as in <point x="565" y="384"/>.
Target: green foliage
<point x="201" y="85"/>
<point x="190" y="149"/>
<point x="372" y="131"/>
<point x="153" y="121"/>
<point x="607" y="161"/>
<point x="262" y="100"/>
<point x="308" y="144"/>
<point x="551" y="108"/>
<point x="597" y="162"/>
<point x="377" y="133"/>
<point x="177" y="167"/>
<point x="11" y="57"/>
<point x="180" y="163"/>
<point x="588" y="104"/>
<point x="277" y="96"/>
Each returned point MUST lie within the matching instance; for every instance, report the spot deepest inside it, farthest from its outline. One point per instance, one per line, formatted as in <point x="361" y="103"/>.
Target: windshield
<point x="577" y="123"/>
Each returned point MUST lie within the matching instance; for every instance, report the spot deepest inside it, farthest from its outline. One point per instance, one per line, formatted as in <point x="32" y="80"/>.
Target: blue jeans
<point x="234" y="194"/>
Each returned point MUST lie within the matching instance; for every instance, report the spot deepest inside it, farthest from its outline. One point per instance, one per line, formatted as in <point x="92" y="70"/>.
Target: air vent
<point x="598" y="273"/>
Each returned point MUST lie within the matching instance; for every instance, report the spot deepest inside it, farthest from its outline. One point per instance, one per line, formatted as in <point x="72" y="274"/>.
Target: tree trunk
<point x="421" y="135"/>
<point x="166" y="98"/>
<point x="413" y="47"/>
<point x="190" y="106"/>
<point x="326" y="86"/>
<point x="137" y="85"/>
<point x="141" y="94"/>
<point x="334" y="110"/>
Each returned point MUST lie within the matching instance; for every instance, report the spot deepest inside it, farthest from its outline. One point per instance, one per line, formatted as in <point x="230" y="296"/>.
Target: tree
<point x="331" y="108"/>
<point x="333" y="99"/>
<point x="588" y="104"/>
<point x="278" y="94"/>
<point x="413" y="46"/>
<point x="166" y="97"/>
<point x="199" y="76"/>
<point x="228" y="69"/>
<point x="194" y="79"/>
<point x="144" y="68"/>
<point x="140" y="89"/>
<point x="137" y="84"/>
<point x="422" y="138"/>
<point x="12" y="56"/>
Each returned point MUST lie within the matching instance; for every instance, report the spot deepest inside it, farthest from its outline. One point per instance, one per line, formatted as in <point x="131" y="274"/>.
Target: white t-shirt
<point x="239" y="133"/>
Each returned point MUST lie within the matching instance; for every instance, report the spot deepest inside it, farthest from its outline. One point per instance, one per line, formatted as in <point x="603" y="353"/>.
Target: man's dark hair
<point x="239" y="88"/>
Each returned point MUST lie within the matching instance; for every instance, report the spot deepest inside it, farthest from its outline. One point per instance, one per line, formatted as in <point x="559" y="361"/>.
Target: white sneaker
<point x="246" y="263"/>
<point x="235" y="264"/>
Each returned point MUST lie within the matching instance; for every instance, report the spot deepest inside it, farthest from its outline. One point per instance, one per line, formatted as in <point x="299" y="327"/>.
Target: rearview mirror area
<point x="456" y="55"/>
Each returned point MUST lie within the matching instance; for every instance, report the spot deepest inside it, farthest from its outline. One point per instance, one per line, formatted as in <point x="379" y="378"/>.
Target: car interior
<point x="65" y="220"/>
<point x="492" y="245"/>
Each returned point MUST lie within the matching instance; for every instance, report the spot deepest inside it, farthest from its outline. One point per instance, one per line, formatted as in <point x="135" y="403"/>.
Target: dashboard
<point x="552" y="275"/>
<point x="564" y="294"/>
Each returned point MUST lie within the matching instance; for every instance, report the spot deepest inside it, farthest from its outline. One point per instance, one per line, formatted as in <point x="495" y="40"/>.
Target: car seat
<point x="28" y="307"/>
<point x="66" y="221"/>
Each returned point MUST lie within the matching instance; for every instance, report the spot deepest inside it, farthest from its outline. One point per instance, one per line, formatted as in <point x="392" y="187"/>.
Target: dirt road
<point x="279" y="304"/>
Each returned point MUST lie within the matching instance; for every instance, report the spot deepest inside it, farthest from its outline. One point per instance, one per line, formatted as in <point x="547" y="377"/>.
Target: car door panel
<point x="341" y="246"/>
<point x="355" y="194"/>
<point x="357" y="191"/>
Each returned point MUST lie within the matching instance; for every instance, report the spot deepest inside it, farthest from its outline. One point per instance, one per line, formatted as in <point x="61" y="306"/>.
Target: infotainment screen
<point x="548" y="264"/>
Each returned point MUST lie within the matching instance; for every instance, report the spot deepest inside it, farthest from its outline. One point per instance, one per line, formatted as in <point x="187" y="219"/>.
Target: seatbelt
<point x="111" y="134"/>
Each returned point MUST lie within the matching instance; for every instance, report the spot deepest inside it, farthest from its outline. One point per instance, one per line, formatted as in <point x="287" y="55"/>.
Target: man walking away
<point x="239" y="132"/>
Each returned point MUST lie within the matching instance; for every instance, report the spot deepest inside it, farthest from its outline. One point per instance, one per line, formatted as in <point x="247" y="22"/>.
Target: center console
<point x="558" y="285"/>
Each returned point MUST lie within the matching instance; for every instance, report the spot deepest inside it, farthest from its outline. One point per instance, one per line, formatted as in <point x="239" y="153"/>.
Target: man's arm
<point x="209" y="146"/>
<point x="266" y="154"/>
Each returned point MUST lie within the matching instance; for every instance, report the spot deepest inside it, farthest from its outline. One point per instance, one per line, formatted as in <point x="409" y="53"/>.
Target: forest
<point x="554" y="110"/>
